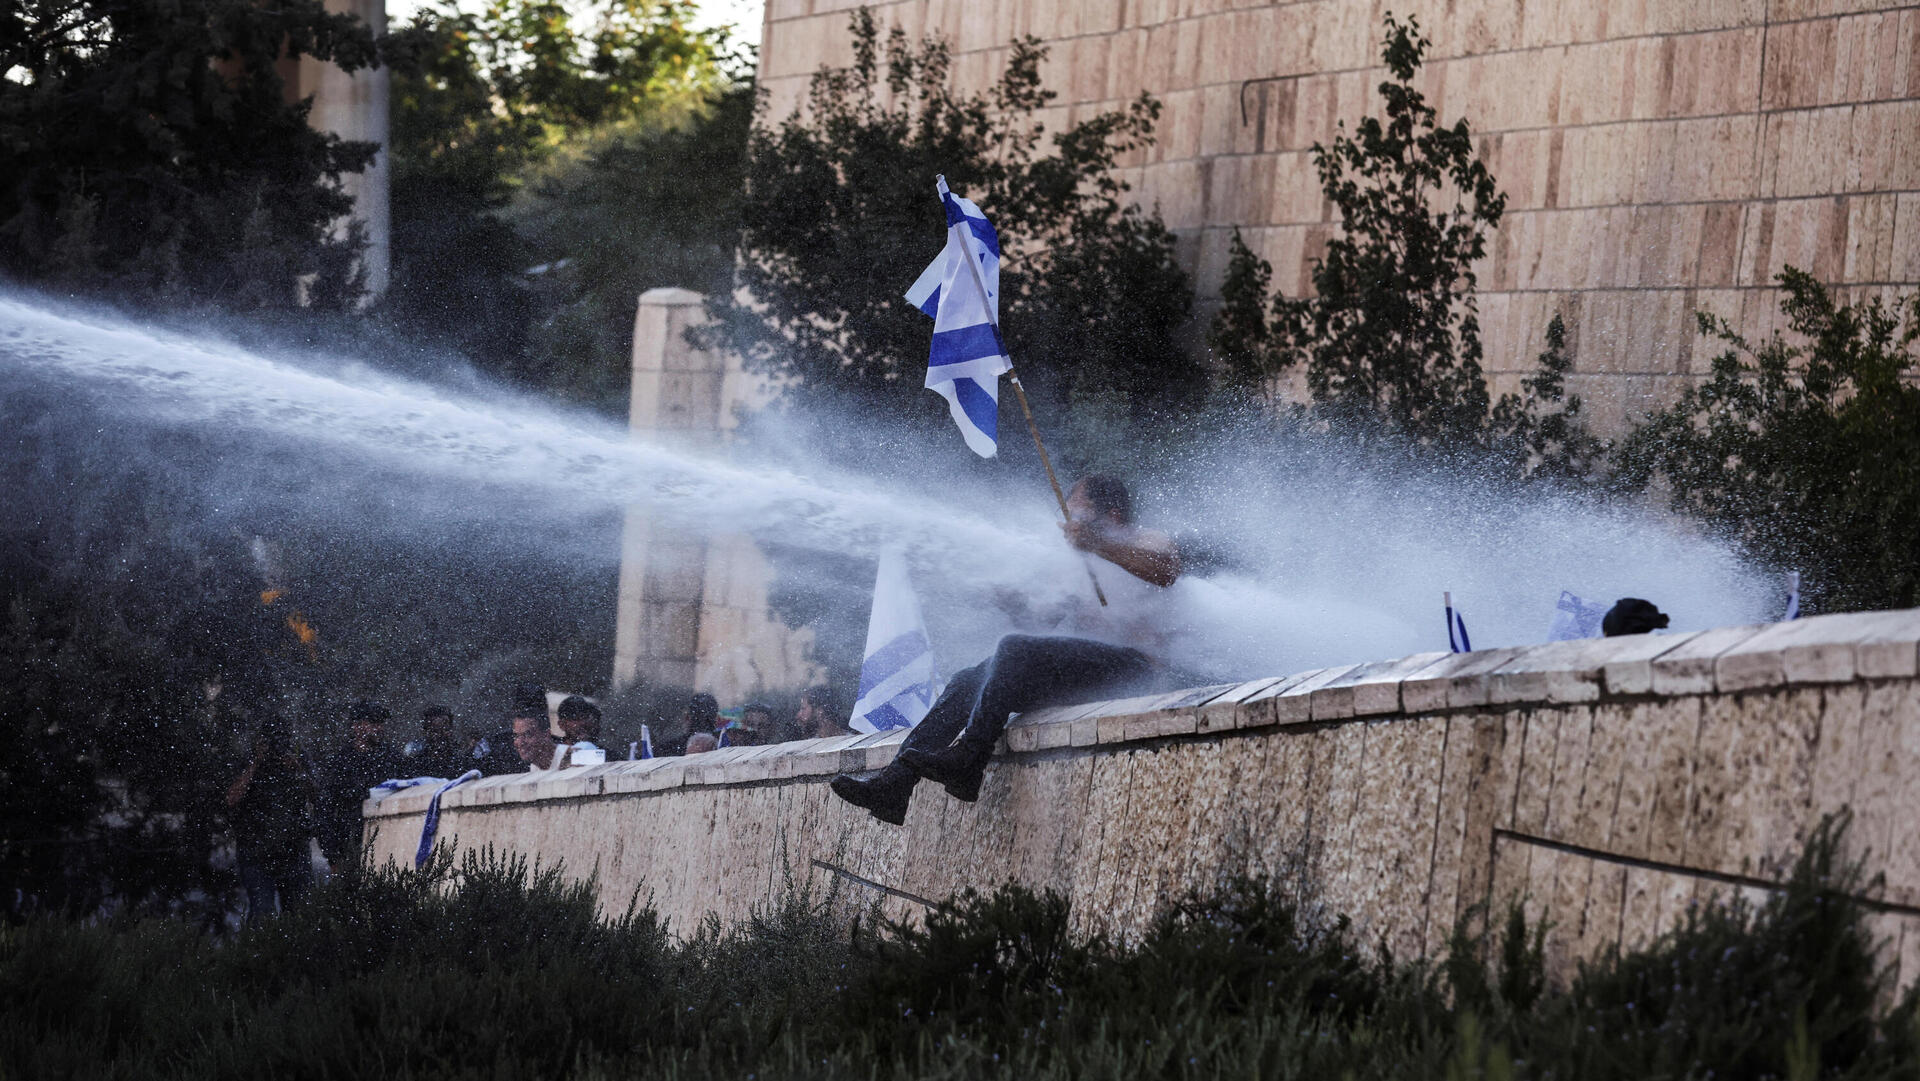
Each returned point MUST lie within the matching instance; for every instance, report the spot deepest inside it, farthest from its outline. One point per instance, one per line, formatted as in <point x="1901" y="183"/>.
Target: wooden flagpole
<point x="993" y="312"/>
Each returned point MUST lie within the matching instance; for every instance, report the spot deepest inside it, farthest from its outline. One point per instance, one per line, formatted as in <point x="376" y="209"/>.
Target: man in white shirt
<point x="1107" y="659"/>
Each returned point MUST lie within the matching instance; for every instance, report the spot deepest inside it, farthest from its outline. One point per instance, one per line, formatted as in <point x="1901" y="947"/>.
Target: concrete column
<point x="355" y="107"/>
<point x="693" y="610"/>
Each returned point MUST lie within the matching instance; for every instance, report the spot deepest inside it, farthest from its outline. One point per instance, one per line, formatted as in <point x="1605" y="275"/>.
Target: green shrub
<point x="1807" y="454"/>
<point x="491" y="969"/>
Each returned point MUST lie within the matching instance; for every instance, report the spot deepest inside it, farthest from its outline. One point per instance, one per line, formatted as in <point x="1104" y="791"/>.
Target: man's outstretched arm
<point x="1147" y="554"/>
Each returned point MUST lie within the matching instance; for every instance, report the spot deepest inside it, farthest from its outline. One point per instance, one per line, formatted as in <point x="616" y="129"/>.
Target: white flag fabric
<point x="961" y="290"/>
<point x="1575" y="618"/>
<point x="897" y="680"/>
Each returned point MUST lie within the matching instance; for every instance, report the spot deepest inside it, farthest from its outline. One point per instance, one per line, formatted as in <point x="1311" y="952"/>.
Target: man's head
<point x="367" y="723"/>
<point x="436" y="723"/>
<point x="579" y="719"/>
<point x="703" y="712"/>
<point x="757" y="717"/>
<point x="1099" y="496"/>
<point x="701" y="743"/>
<point x="532" y="742"/>
<point x="820" y="707"/>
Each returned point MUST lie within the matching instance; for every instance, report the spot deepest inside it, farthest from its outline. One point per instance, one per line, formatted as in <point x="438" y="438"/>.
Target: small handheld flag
<point x="961" y="290"/>
<point x="1575" y="618"/>
<point x="897" y="679"/>
<point x="646" y="742"/>
<point x="1456" y="627"/>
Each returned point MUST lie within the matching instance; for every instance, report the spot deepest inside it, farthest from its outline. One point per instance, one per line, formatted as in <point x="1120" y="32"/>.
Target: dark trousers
<point x="1027" y="673"/>
<point x="267" y="874"/>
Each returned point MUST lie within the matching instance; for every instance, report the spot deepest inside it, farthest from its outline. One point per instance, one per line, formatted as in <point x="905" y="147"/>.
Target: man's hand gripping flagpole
<point x="972" y="259"/>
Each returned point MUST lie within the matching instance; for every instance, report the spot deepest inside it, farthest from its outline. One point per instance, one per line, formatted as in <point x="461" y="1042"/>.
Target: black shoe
<point x="958" y="769"/>
<point x="885" y="801"/>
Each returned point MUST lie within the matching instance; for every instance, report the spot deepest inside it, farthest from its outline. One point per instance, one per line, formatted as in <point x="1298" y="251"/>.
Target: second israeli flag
<point x="897" y="679"/>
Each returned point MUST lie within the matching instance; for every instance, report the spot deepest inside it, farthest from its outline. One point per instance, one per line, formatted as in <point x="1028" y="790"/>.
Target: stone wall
<point x="1660" y="157"/>
<point x="1609" y="783"/>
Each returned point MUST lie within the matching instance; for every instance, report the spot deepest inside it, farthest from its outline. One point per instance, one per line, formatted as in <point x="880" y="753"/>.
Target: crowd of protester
<point x="282" y="804"/>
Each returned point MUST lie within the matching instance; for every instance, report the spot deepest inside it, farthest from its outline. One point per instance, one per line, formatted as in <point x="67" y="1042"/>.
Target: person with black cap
<point x="1631" y="615"/>
<point x="365" y="761"/>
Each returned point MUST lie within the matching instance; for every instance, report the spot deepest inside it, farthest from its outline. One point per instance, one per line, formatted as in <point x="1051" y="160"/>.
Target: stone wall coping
<point x="1817" y="650"/>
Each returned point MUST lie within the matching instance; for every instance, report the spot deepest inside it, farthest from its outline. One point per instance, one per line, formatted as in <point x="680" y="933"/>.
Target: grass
<point x="490" y="969"/>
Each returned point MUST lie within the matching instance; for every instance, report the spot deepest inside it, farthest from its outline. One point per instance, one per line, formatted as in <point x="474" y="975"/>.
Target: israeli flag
<point x="961" y="290"/>
<point x="1575" y="618"/>
<point x="1456" y="627"/>
<point x="897" y="680"/>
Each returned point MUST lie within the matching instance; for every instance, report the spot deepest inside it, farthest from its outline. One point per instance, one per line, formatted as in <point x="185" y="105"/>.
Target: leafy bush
<point x="1808" y="454"/>
<point x="491" y="968"/>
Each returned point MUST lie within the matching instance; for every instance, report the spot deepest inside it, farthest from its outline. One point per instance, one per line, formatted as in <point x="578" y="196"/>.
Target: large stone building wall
<point x="1609" y="783"/>
<point x="1660" y="156"/>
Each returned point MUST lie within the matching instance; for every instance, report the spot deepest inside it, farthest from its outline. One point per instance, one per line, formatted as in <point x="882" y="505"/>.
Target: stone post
<point x="693" y="610"/>
<point x="676" y="395"/>
<point x="354" y="106"/>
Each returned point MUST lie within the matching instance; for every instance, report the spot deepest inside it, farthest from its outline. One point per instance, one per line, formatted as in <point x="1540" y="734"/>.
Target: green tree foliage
<point x="627" y="211"/>
<point x="484" y="98"/>
<point x="1390" y="340"/>
<point x="152" y="152"/>
<point x="841" y="214"/>
<point x="1540" y="433"/>
<point x="1391" y="334"/>
<point x="1809" y="453"/>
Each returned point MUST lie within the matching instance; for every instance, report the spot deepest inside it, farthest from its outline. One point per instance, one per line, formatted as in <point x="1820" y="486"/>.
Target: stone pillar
<point x="693" y="610"/>
<point x="676" y="395"/>
<point x="355" y="107"/>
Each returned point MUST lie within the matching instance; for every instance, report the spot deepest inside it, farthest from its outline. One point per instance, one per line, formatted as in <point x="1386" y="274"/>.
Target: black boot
<point x="958" y="768"/>
<point x="884" y="795"/>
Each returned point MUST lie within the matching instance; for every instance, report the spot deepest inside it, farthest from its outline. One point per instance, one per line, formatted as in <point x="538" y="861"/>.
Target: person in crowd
<point x="494" y="754"/>
<point x="440" y="753"/>
<point x="580" y="720"/>
<point x="366" y="760"/>
<point x="1108" y="660"/>
<point x="822" y="713"/>
<point x="580" y="727"/>
<point x="1631" y="615"/>
<point x="702" y="742"/>
<point x="702" y="714"/>
<point x="745" y="728"/>
<point x="757" y="718"/>
<point x="268" y="807"/>
<point x="535" y="745"/>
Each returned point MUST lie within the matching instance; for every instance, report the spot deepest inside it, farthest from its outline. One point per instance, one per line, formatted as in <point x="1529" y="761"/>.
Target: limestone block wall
<point x="1660" y="157"/>
<point x="1608" y="783"/>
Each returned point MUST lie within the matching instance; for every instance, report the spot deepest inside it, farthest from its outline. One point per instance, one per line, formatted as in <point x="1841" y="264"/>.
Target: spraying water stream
<point x="1333" y="572"/>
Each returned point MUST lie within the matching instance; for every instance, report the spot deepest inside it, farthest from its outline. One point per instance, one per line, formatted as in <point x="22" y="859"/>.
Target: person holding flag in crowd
<point x="1112" y="650"/>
